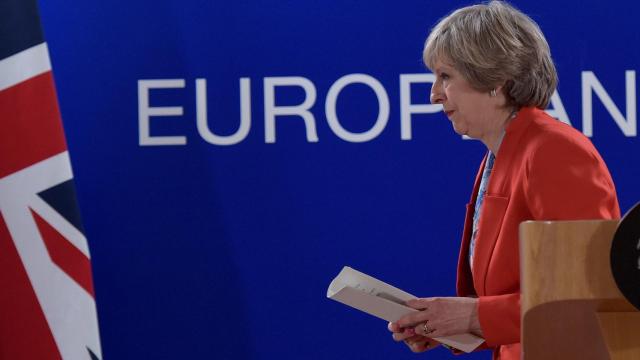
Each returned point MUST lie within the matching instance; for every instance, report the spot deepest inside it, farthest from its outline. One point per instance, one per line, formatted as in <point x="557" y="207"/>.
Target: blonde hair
<point x="494" y="44"/>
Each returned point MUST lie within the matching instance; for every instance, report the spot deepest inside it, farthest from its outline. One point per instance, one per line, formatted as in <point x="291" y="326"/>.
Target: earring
<point x="492" y="93"/>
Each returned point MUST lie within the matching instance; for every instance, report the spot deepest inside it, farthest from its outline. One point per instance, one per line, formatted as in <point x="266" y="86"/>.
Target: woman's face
<point x="471" y="112"/>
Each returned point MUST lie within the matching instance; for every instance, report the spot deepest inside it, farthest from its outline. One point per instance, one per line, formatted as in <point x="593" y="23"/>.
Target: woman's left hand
<point x="417" y="343"/>
<point x="442" y="316"/>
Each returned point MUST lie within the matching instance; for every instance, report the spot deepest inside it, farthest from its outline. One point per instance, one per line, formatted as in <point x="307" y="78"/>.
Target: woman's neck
<point x="493" y="139"/>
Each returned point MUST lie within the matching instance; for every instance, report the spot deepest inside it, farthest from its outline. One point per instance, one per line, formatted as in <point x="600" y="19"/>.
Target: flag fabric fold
<point x="47" y="306"/>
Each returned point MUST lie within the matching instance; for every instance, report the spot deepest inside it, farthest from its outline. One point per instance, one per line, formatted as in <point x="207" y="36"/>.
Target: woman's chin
<point x="460" y="131"/>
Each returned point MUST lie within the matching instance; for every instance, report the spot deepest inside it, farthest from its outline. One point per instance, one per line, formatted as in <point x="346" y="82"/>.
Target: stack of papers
<point x="382" y="300"/>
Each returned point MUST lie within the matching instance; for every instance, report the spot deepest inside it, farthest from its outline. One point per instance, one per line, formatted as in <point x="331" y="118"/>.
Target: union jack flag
<point x="47" y="303"/>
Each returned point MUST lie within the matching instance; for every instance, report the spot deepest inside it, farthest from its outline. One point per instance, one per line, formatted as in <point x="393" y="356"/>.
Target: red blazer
<point x="544" y="170"/>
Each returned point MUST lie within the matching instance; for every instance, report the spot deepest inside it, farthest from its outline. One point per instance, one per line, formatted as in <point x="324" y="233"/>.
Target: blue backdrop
<point x="205" y="251"/>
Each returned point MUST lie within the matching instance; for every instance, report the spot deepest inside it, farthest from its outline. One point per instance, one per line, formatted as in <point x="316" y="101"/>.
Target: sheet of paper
<point x="382" y="300"/>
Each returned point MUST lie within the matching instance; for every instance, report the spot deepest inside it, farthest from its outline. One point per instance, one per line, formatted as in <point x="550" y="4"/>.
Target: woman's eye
<point x="444" y="76"/>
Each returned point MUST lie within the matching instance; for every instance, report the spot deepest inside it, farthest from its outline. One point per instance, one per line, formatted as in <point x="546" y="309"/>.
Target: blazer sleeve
<point x="568" y="180"/>
<point x="499" y="317"/>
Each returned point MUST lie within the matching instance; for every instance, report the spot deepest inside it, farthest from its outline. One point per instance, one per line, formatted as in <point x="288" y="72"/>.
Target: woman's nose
<point x="436" y="97"/>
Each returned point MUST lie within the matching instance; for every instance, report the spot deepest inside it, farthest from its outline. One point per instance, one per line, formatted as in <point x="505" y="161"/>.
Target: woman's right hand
<point x="417" y="343"/>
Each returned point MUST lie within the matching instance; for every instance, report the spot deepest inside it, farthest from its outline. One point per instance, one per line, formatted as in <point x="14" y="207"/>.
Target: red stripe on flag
<point x="30" y="125"/>
<point x="64" y="254"/>
<point x="24" y="332"/>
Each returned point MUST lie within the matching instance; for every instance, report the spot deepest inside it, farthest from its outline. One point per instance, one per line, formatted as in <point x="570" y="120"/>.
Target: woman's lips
<point x="448" y="113"/>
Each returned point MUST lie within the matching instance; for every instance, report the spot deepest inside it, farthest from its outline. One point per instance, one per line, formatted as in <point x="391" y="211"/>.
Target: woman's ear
<point x="501" y="88"/>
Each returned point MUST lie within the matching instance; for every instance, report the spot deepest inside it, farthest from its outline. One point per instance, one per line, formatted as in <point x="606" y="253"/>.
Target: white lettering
<point x="590" y="85"/>
<point x="245" y="114"/>
<point x="302" y="110"/>
<point x="145" y="112"/>
<point x="558" y="111"/>
<point x="407" y="108"/>
<point x="383" y="108"/>
<point x="590" y="82"/>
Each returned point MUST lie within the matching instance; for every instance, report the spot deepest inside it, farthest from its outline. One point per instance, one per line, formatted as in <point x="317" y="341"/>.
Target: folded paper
<point x="382" y="300"/>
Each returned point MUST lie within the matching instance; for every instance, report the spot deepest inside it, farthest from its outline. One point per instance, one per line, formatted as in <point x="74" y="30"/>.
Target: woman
<point x="494" y="77"/>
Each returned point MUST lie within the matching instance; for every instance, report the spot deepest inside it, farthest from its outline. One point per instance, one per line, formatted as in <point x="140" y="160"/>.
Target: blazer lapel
<point x="496" y="199"/>
<point x="464" y="283"/>
<point x="499" y="182"/>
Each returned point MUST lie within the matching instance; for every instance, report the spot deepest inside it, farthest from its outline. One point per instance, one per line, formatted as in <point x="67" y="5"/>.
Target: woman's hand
<point x="440" y="316"/>
<point x="417" y="343"/>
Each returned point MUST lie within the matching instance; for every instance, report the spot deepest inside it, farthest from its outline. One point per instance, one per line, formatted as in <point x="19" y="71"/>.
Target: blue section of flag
<point x="19" y="26"/>
<point x="62" y="197"/>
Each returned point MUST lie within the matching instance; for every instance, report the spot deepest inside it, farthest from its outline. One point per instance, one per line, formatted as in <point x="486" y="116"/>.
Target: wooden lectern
<point x="571" y="306"/>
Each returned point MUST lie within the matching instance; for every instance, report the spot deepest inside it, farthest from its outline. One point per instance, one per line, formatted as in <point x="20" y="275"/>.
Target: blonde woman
<point x="494" y="78"/>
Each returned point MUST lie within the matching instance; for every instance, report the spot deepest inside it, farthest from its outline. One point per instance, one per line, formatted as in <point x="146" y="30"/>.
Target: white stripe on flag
<point x="64" y="227"/>
<point x="25" y="184"/>
<point x="24" y="65"/>
<point x="69" y="310"/>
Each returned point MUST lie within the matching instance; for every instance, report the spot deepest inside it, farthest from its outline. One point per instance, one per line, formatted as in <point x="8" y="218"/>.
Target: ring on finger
<point x="426" y="329"/>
